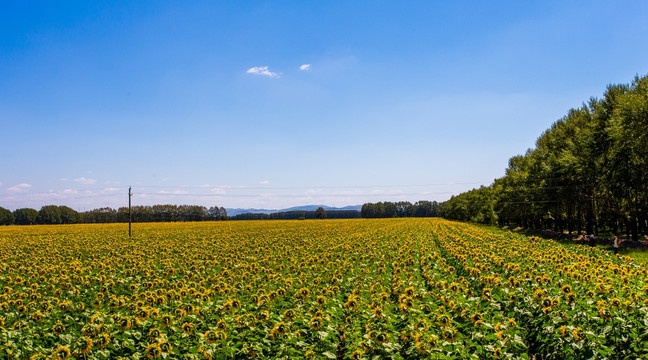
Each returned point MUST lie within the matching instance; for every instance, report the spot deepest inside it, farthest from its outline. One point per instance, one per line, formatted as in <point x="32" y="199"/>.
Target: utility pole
<point x="130" y="195"/>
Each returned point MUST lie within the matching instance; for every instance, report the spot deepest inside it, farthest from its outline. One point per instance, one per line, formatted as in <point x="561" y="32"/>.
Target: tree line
<point x="588" y="171"/>
<point x="400" y="209"/>
<point x="320" y="213"/>
<point x="53" y="214"/>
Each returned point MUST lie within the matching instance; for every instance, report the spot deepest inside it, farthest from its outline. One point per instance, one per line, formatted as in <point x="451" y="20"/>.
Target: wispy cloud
<point x="264" y="182"/>
<point x="305" y="67"/>
<point x="262" y="70"/>
<point x="19" y="188"/>
<point x="85" y="181"/>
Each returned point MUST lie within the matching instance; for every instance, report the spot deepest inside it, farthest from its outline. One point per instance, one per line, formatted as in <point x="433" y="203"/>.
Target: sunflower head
<point x="153" y="351"/>
<point x="84" y="345"/>
<point x="187" y="327"/>
<point x="165" y="346"/>
<point x="62" y="353"/>
<point x="316" y="323"/>
<point x="58" y="328"/>
<point x="154" y="333"/>
<point x="449" y="334"/>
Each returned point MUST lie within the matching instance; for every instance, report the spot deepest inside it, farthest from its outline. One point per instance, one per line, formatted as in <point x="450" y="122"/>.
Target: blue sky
<point x="210" y="102"/>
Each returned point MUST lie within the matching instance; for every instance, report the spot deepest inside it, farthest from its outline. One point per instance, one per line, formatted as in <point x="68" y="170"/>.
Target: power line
<point x="289" y="195"/>
<point x="307" y="187"/>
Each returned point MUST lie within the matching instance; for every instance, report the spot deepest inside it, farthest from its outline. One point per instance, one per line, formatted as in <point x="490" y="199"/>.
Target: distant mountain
<point x="237" y="211"/>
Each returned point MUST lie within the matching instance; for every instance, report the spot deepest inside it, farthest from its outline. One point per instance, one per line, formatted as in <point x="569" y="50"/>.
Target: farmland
<point x="340" y="289"/>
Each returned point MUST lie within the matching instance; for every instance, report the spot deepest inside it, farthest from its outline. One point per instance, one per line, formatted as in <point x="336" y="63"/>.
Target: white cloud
<point x="19" y="188"/>
<point x="85" y="181"/>
<point x="264" y="182"/>
<point x="262" y="70"/>
<point x="305" y="67"/>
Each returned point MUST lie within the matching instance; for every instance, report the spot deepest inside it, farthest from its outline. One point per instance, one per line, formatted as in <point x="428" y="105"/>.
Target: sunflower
<point x="289" y="314"/>
<point x="409" y="291"/>
<point x="546" y="302"/>
<point x="124" y="323"/>
<point x="566" y="289"/>
<point x="143" y="314"/>
<point x="563" y="331"/>
<point x="476" y="317"/>
<point x="165" y="347"/>
<point x="497" y="353"/>
<point x="604" y="313"/>
<point x="154" y="333"/>
<point x="351" y="304"/>
<point x="58" y="328"/>
<point x="279" y="330"/>
<point x="153" y="351"/>
<point x="316" y="323"/>
<point x="615" y="302"/>
<point x="486" y="293"/>
<point x="426" y="308"/>
<point x="235" y="303"/>
<point x="357" y="355"/>
<point x="62" y="352"/>
<point x="102" y="340"/>
<point x="166" y="320"/>
<point x="264" y="315"/>
<point x="577" y="333"/>
<point x="89" y="329"/>
<point x="187" y="328"/>
<point x="382" y="338"/>
<point x="180" y="313"/>
<point x="303" y="292"/>
<point x="84" y="345"/>
<point x="211" y="336"/>
<point x="449" y="334"/>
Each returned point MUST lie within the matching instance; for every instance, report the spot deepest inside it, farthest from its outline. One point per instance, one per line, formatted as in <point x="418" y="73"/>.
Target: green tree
<point x="69" y="215"/>
<point x="50" y="214"/>
<point x="25" y="216"/>
<point x="6" y="217"/>
<point x="320" y="213"/>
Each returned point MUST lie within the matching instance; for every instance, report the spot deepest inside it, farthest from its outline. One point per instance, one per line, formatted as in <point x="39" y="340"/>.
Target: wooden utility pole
<point x="130" y="195"/>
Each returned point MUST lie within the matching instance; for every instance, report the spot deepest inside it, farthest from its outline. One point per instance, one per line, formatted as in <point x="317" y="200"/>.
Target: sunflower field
<point x="335" y="289"/>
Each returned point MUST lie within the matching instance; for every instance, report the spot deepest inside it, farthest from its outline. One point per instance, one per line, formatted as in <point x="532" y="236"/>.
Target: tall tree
<point x="320" y="213"/>
<point x="25" y="216"/>
<point x="6" y="217"/>
<point x="50" y="214"/>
